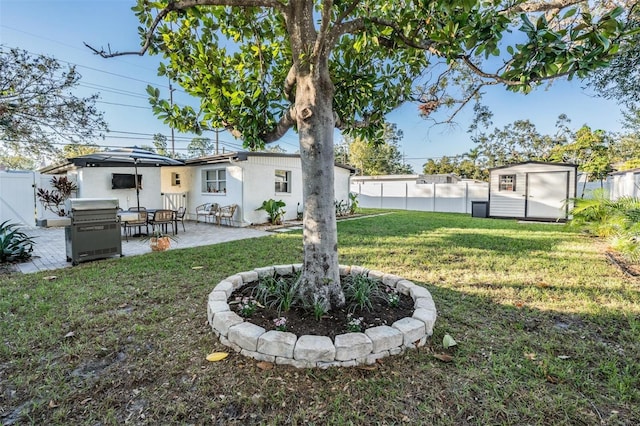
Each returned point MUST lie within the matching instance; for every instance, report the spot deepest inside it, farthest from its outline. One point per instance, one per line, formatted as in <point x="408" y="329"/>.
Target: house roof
<point x="547" y="163"/>
<point x="244" y="156"/>
<point x="120" y="157"/>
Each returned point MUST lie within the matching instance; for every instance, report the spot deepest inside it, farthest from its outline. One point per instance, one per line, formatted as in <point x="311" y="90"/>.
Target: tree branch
<point x="290" y="83"/>
<point x="528" y="7"/>
<point x="287" y="121"/>
<point x="184" y="5"/>
<point x="324" y="25"/>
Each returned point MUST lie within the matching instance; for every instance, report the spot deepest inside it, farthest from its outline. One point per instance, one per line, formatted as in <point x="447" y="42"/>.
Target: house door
<point x="547" y="193"/>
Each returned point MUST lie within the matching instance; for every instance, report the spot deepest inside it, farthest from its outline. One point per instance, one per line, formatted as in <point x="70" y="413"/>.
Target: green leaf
<point x="447" y="341"/>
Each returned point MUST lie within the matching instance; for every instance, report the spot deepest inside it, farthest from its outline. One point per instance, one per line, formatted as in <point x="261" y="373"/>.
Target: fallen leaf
<point x="84" y="401"/>
<point x="552" y="379"/>
<point x="52" y="404"/>
<point x="69" y="334"/>
<point x="543" y="285"/>
<point x="264" y="365"/>
<point x="217" y="356"/>
<point x="530" y="356"/>
<point x="519" y="304"/>
<point x="368" y="367"/>
<point x="447" y="341"/>
<point x="443" y="357"/>
<point x="197" y="267"/>
<point x="50" y="277"/>
<point x="564" y="357"/>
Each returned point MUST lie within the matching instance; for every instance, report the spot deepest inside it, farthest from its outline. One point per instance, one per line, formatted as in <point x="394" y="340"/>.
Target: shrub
<point x="279" y="293"/>
<point x="54" y="199"/>
<point x="361" y="291"/>
<point x="274" y="209"/>
<point x="15" y="245"/>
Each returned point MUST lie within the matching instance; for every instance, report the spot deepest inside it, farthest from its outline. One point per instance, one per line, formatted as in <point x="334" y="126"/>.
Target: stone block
<point x="230" y="344"/>
<point x="223" y="321"/>
<point x="265" y="272"/>
<point x="283" y="269"/>
<point x="428" y="317"/>
<point x="215" y="307"/>
<point x="344" y="270"/>
<point x="236" y="280"/>
<point x="412" y="329"/>
<point x="352" y="346"/>
<point x="297" y="267"/>
<point x="277" y="343"/>
<point x="294" y="362"/>
<point x="314" y="348"/>
<point x="225" y="286"/>
<point x="245" y="335"/>
<point x="249" y="276"/>
<point x="396" y="351"/>
<point x="391" y="280"/>
<point x="424" y="303"/>
<point x="372" y="358"/>
<point x="416" y="291"/>
<point x="325" y="365"/>
<point x="358" y="270"/>
<point x="218" y="296"/>
<point x="376" y="275"/>
<point x="350" y="363"/>
<point x="258" y="356"/>
<point x="384" y="338"/>
<point x="404" y="287"/>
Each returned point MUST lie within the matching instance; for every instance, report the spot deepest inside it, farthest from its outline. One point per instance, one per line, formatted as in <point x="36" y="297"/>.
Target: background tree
<point x="160" y="144"/>
<point x="200" y="147"/>
<point x="375" y="158"/>
<point x="38" y="109"/>
<point x="76" y="149"/>
<point x="317" y="65"/>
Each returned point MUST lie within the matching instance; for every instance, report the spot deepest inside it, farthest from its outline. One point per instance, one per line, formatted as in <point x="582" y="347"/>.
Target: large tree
<point x="38" y="109"/>
<point x="262" y="67"/>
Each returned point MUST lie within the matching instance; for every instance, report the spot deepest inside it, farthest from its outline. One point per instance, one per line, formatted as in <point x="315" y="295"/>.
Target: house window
<point x="175" y="179"/>
<point x="214" y="181"/>
<point x="507" y="182"/>
<point x="283" y="181"/>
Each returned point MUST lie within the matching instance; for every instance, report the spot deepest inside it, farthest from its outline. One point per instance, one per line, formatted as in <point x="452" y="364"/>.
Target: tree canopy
<point x="262" y="67"/>
<point x="38" y="111"/>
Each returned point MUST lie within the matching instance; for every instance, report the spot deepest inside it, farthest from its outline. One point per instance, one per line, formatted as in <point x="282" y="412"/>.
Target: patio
<point x="50" y="251"/>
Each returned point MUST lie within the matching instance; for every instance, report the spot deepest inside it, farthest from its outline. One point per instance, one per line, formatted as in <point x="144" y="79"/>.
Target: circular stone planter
<point x="346" y="350"/>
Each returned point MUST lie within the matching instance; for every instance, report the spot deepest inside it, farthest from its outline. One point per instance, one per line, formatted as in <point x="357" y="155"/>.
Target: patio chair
<point x="138" y="223"/>
<point x="162" y="219"/>
<point x="207" y="211"/>
<point x="180" y="217"/>
<point x="226" y="213"/>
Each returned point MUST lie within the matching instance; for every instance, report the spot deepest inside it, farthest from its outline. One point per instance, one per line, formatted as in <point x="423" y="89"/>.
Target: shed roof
<point x="547" y="163"/>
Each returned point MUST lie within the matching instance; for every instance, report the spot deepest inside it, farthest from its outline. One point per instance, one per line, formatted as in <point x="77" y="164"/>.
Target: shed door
<point x="547" y="193"/>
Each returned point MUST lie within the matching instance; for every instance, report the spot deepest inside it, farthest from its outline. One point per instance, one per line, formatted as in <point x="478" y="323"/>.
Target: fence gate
<point x="17" y="197"/>
<point x="174" y="200"/>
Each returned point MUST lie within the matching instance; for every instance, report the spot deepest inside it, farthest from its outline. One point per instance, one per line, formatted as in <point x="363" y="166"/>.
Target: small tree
<point x="54" y="199"/>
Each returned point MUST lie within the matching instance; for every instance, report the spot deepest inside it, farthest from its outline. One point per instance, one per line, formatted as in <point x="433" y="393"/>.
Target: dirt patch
<point x="302" y="322"/>
<point x="631" y="269"/>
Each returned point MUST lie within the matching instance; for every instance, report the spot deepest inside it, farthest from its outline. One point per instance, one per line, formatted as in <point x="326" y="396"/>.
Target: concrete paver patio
<point x="50" y="248"/>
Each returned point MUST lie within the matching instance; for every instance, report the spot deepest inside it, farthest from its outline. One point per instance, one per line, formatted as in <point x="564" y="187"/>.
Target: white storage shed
<point x="625" y="183"/>
<point x="532" y="191"/>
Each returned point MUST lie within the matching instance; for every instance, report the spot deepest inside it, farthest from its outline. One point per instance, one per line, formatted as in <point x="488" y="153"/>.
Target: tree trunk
<point x="315" y="122"/>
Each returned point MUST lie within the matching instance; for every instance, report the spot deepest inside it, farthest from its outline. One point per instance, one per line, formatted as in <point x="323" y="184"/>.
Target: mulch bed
<point x="301" y="322"/>
<point x="631" y="269"/>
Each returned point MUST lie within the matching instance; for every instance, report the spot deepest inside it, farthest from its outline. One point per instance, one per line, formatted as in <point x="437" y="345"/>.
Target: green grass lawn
<point x="548" y="332"/>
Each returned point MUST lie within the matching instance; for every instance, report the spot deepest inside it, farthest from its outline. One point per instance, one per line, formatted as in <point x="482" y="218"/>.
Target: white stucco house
<point x="243" y="178"/>
<point x="625" y="183"/>
<point x="532" y="190"/>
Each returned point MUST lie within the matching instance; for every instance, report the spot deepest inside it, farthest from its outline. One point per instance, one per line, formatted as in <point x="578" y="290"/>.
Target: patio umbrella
<point x="124" y="157"/>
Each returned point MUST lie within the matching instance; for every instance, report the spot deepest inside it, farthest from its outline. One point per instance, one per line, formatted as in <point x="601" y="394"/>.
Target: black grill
<point x="94" y="232"/>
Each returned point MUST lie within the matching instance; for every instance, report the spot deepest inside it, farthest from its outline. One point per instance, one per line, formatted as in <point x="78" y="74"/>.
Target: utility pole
<point x="217" y="141"/>
<point x="173" y="144"/>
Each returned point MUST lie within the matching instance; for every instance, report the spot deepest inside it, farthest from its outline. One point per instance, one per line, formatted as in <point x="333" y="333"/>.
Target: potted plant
<point x="158" y="240"/>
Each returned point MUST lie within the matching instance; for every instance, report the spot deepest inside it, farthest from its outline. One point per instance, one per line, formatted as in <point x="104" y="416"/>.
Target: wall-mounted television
<point x="125" y="181"/>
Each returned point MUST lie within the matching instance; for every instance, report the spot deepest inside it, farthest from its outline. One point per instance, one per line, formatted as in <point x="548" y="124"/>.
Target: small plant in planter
<point x="354" y="325"/>
<point x="158" y="240"/>
<point x="280" y="323"/>
<point x="274" y="209"/>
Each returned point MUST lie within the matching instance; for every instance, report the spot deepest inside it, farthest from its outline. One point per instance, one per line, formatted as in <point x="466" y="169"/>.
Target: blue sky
<point x="59" y="28"/>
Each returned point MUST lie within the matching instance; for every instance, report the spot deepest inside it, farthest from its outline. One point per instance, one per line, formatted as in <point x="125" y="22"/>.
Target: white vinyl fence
<point x="409" y="195"/>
